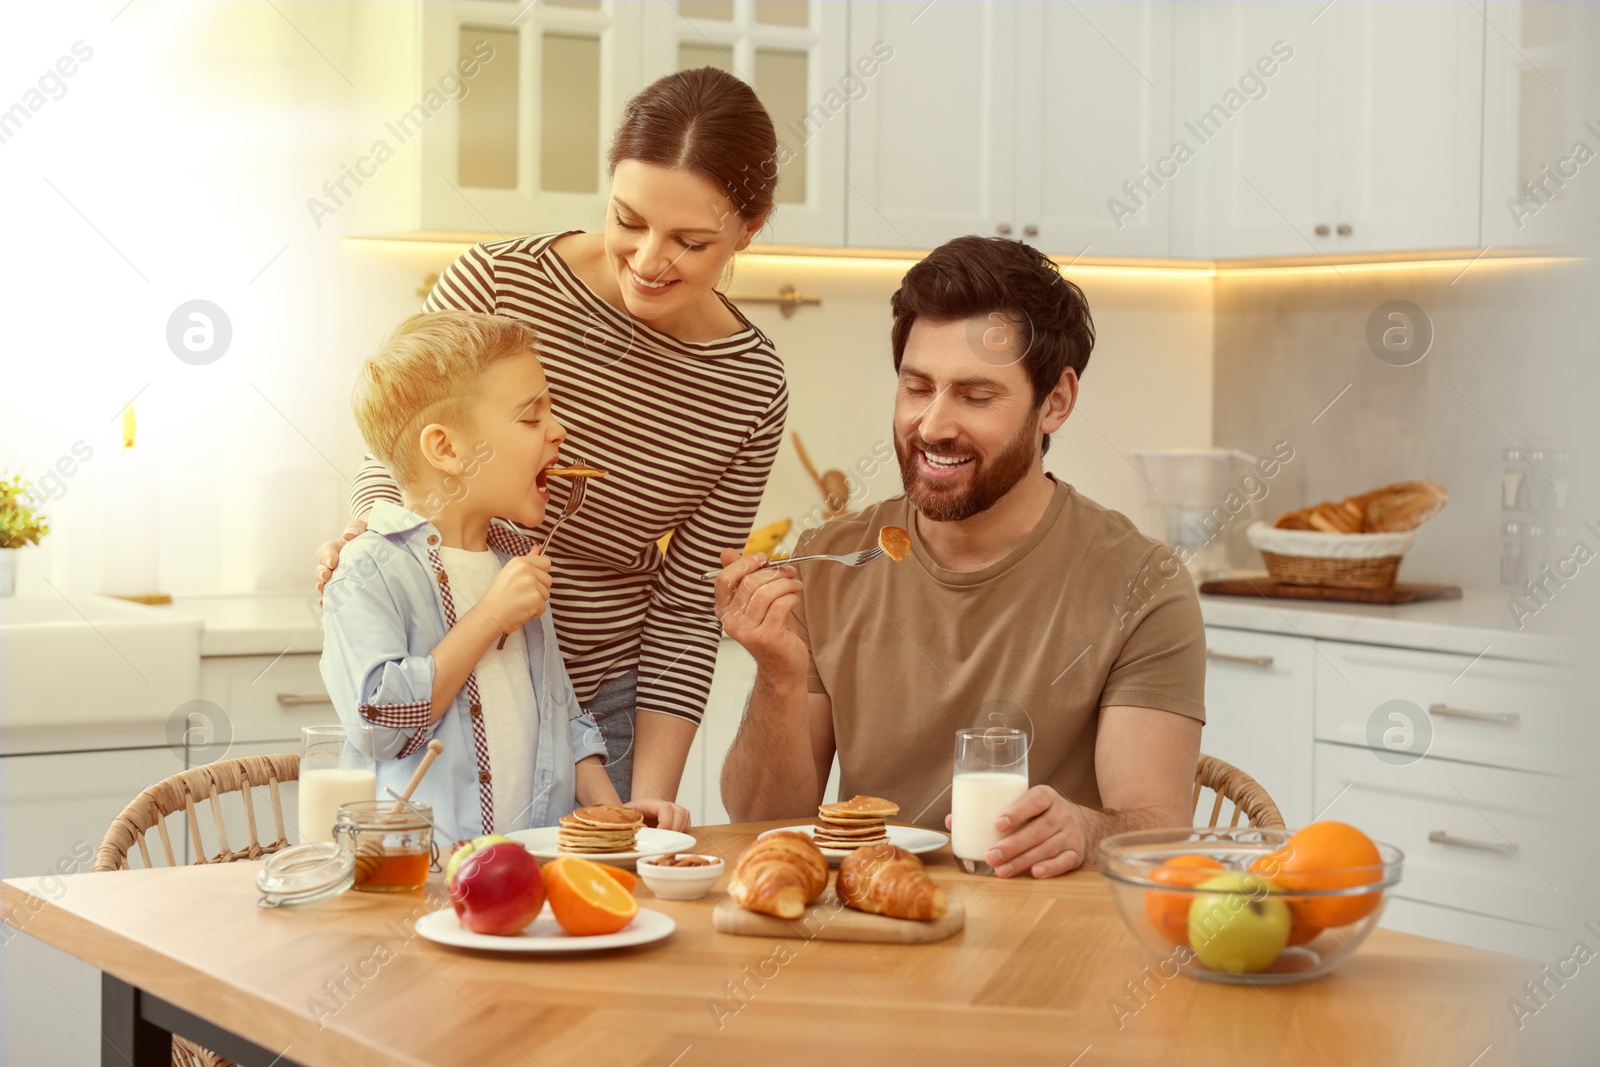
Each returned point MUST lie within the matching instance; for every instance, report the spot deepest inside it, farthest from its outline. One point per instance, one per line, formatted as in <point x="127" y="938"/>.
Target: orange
<point x="1320" y="857"/>
<point x="1169" y="912"/>
<point x="625" y="878"/>
<point x="585" y="898"/>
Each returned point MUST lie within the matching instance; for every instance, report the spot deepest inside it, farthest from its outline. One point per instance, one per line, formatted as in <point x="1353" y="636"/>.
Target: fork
<point x="849" y="559"/>
<point x="580" y="489"/>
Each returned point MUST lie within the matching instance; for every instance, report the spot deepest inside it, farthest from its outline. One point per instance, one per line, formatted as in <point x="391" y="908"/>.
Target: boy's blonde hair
<point x="428" y="370"/>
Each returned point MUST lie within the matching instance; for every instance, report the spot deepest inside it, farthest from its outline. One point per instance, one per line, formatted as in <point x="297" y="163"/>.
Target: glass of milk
<point x="991" y="774"/>
<point x="336" y="767"/>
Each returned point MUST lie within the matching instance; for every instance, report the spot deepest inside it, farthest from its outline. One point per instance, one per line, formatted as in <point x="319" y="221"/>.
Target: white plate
<point x="544" y="934"/>
<point x="542" y="841"/>
<point x="913" y="839"/>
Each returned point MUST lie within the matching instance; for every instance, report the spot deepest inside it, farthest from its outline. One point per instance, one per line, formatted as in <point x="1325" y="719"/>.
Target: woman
<point x="660" y="380"/>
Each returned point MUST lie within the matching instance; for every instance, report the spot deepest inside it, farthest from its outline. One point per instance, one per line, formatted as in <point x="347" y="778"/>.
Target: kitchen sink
<point x="78" y="661"/>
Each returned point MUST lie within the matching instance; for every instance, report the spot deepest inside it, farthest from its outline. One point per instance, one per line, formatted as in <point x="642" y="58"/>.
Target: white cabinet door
<point x="932" y="143"/>
<point x="1259" y="713"/>
<point x="56" y="810"/>
<point x="1481" y="840"/>
<point x="1404" y="704"/>
<point x="1409" y="83"/>
<point x="794" y="55"/>
<point x="1533" y="121"/>
<point x="730" y="690"/>
<point x="1088" y="177"/>
<point x="1257" y="114"/>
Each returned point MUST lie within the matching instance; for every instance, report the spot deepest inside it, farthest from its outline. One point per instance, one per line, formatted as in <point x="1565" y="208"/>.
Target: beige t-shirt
<point x="1085" y="613"/>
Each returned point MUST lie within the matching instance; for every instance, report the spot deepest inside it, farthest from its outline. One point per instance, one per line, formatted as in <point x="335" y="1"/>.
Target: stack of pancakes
<point x="599" y="828"/>
<point x="853" y="823"/>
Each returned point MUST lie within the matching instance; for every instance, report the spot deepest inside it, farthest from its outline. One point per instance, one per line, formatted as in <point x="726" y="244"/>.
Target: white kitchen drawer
<point x="1479" y="931"/>
<point x="1258" y="712"/>
<point x="1501" y="713"/>
<point x="1481" y="811"/>
<point x="267" y="698"/>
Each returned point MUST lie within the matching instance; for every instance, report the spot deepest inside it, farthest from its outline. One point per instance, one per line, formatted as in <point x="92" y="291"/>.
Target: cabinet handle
<point x="1344" y="229"/>
<point x="1004" y="229"/>
<point x="302" y="700"/>
<point x="1443" y="838"/>
<point x="1321" y="230"/>
<point x="1507" y="717"/>
<point x="1254" y="661"/>
<point x="1030" y="230"/>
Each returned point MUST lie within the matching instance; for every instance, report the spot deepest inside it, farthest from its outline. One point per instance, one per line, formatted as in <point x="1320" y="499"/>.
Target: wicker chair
<point x="181" y="793"/>
<point x="1231" y="785"/>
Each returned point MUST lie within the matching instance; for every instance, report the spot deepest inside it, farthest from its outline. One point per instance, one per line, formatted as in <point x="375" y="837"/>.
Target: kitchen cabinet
<point x="1533" y="122"/>
<point x="1483" y="850"/>
<point x="520" y="145"/>
<point x="56" y="809"/>
<point x="1074" y="160"/>
<point x="1259" y="692"/>
<point x="1012" y="150"/>
<point x="793" y="53"/>
<point x="1365" y="138"/>
<point x="485" y="116"/>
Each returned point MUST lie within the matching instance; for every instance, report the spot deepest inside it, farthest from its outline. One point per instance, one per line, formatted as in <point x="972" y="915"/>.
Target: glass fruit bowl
<point x="1228" y="905"/>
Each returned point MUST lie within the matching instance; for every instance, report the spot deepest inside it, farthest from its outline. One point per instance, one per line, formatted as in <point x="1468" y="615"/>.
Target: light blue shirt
<point x="383" y="612"/>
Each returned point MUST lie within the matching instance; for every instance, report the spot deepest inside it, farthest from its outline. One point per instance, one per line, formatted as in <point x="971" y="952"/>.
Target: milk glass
<point x="336" y="767"/>
<point x="991" y="774"/>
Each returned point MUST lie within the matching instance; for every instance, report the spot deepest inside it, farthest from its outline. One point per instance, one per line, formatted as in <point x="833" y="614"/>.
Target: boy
<point x="456" y="404"/>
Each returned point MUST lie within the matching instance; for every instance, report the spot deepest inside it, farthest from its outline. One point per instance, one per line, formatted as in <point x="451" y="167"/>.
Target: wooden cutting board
<point x="829" y="920"/>
<point x="1399" y="593"/>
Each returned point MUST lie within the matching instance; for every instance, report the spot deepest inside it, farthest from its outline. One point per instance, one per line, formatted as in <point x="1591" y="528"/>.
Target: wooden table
<point x="1034" y="979"/>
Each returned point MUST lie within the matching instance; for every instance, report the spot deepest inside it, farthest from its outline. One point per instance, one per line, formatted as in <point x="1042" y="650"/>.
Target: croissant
<point x="779" y="875"/>
<point x="888" y="880"/>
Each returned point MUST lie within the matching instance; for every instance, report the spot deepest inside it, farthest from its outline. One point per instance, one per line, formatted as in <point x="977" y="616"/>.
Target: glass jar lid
<point x="305" y="874"/>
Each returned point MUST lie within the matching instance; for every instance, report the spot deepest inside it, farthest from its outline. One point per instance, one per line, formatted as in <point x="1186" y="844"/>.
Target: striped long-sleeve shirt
<point x="688" y="431"/>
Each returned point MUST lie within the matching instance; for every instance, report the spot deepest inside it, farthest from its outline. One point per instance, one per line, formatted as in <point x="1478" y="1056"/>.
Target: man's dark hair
<point x="971" y="277"/>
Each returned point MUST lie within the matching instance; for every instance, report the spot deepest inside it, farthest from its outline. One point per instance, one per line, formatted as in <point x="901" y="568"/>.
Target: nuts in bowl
<point x="680" y="875"/>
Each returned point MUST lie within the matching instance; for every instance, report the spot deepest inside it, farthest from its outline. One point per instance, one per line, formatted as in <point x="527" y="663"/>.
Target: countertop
<point x="1479" y="623"/>
<point x="270" y="624"/>
<point x="253" y="624"/>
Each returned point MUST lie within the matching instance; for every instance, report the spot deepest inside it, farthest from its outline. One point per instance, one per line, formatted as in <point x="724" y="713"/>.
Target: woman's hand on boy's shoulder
<point x="328" y="554"/>
<point x="661" y="813"/>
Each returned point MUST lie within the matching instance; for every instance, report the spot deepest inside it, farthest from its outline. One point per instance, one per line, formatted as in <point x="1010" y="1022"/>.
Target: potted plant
<point x="20" y="525"/>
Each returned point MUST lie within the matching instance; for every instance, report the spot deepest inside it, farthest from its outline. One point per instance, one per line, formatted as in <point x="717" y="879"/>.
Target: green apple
<point x="1236" y="924"/>
<point x="467" y="849"/>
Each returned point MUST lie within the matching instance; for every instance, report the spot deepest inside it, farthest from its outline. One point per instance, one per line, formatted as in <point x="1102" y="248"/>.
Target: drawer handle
<point x="1507" y="717"/>
<point x="1443" y="838"/>
<point x="1254" y="661"/>
<point x="302" y="700"/>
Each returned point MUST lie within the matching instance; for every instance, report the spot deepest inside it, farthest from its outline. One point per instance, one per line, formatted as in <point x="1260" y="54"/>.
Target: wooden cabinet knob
<point x="1004" y="229"/>
<point x="1344" y="229"/>
<point x="1321" y="230"/>
<point x="1030" y="230"/>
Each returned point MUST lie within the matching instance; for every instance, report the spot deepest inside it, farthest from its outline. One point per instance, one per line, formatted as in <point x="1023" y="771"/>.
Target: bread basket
<point x="1311" y="557"/>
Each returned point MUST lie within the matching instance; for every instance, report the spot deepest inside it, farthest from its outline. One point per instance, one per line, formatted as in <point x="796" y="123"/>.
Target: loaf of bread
<point x="1389" y="509"/>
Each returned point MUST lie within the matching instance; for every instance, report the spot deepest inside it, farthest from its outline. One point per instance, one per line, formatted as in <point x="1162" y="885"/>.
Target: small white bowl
<point x="680" y="883"/>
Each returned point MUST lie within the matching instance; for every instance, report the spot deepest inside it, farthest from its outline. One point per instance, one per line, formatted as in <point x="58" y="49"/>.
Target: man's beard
<point x="986" y="483"/>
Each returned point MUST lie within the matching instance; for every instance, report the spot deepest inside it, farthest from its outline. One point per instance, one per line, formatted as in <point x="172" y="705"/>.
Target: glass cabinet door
<point x="520" y="146"/>
<point x="793" y="53"/>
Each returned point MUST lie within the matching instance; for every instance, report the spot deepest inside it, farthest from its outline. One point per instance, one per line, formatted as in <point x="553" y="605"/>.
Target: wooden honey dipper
<point x="369" y="853"/>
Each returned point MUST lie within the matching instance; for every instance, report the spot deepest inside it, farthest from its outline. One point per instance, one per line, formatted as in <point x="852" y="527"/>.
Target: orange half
<point x="585" y="899"/>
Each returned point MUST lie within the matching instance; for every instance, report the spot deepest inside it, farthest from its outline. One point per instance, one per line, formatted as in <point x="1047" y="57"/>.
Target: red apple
<point x="497" y="890"/>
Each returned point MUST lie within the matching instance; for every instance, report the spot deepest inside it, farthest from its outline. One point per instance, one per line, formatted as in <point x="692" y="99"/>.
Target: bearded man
<point x="1023" y="603"/>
